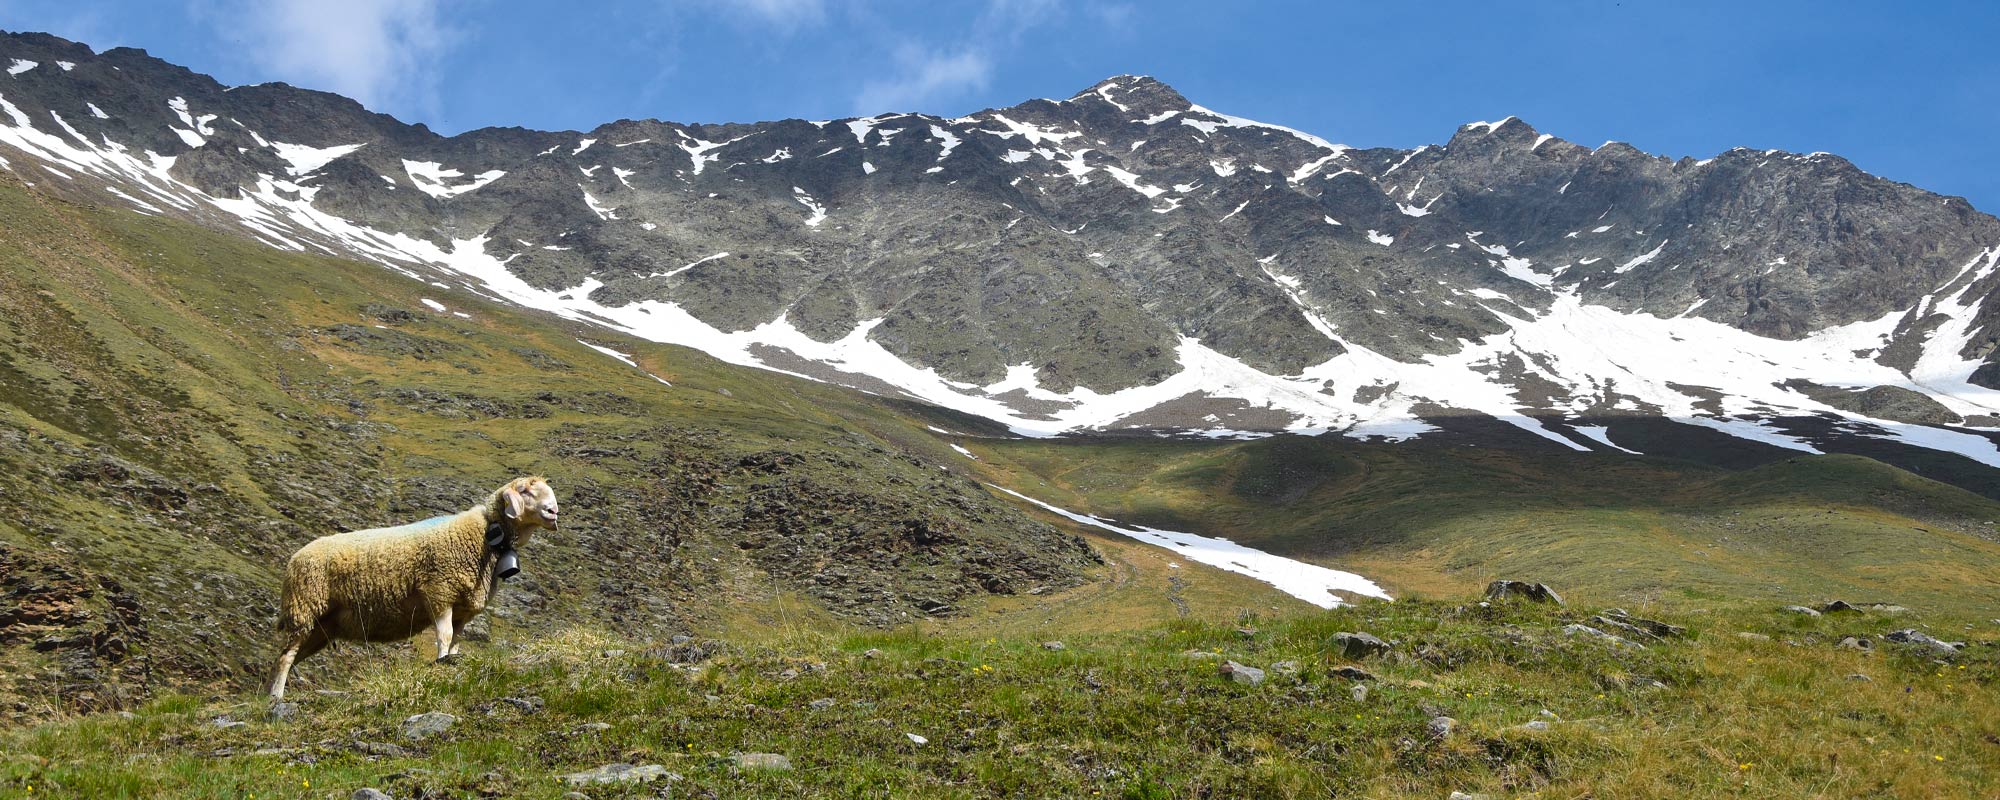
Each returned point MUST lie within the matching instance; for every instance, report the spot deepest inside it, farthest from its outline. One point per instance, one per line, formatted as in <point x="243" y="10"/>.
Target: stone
<point x="1856" y="643"/>
<point x="1755" y="637"/>
<point x="1440" y="726"/>
<point x="1577" y="629"/>
<point x="1464" y="796"/>
<point x="1241" y="674"/>
<point x="1801" y="610"/>
<point x="383" y="749"/>
<point x="1354" y="674"/>
<point x="284" y="711"/>
<point x="1651" y="628"/>
<point x="370" y="794"/>
<point x="616" y="773"/>
<point x="1860" y="678"/>
<point x="1357" y="646"/>
<point x="526" y="704"/>
<point x="1286" y="668"/>
<point x="1359" y="692"/>
<point x="917" y="740"/>
<point x="1914" y="637"/>
<point x="225" y="723"/>
<point x="821" y="704"/>
<point x="426" y="725"/>
<point x="770" y="762"/>
<point x="873" y="652"/>
<point x="1536" y="726"/>
<point x="1202" y="655"/>
<point x="593" y="727"/>
<point x="1522" y="590"/>
<point x="1053" y="646"/>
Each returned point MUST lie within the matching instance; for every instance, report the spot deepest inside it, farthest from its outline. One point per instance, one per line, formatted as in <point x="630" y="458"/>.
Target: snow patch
<point x="1309" y="582"/>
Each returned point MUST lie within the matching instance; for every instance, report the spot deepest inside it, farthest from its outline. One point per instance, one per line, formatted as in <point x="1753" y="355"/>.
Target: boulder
<point x="426" y="725"/>
<point x="1357" y="646"/>
<point x="1577" y="629"/>
<point x="1241" y="674"/>
<point x="615" y="773"/>
<point x="1522" y="590"/>
<point x="1916" y="638"/>
<point x="769" y="762"/>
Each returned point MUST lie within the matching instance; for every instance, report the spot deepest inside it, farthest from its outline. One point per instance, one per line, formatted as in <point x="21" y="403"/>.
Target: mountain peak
<point x="1132" y="93"/>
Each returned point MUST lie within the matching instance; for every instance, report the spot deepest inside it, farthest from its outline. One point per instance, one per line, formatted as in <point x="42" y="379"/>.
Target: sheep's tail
<point x="304" y="599"/>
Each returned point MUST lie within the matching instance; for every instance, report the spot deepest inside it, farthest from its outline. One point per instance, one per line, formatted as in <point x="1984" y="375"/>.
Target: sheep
<point x="387" y="584"/>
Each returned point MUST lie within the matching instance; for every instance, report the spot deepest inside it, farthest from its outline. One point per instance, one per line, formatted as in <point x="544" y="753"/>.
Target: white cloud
<point x="787" y="15"/>
<point x="384" y="53"/>
<point x="923" y="77"/>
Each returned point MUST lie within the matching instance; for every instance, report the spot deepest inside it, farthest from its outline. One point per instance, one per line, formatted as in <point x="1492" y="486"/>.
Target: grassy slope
<point x="1114" y="715"/>
<point x="185" y="411"/>
<point x="1441" y="520"/>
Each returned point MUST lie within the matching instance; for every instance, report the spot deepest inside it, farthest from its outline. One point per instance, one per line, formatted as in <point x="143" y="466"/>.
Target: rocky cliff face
<point x="1122" y="258"/>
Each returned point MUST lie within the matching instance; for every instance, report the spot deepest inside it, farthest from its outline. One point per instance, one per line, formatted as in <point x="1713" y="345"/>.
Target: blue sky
<point x="1910" y="91"/>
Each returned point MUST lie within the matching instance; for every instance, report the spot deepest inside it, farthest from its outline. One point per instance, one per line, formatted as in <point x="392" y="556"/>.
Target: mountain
<point x="1121" y="259"/>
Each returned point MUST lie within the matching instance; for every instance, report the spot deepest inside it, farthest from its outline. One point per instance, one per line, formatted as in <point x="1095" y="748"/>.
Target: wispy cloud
<point x="785" y="15"/>
<point x="384" y="53"/>
<point x="923" y="77"/>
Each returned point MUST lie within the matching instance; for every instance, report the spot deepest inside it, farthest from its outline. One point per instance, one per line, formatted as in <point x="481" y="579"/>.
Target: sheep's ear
<point x="513" y="498"/>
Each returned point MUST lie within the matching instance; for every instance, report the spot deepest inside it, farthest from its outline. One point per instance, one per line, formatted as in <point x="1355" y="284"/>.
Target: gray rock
<point x="1801" y="610"/>
<point x="1536" y="726"/>
<point x="225" y="723"/>
<point x="426" y="725"/>
<point x="593" y="727"/>
<point x="1755" y="637"/>
<point x="1286" y="668"/>
<point x="526" y="704"/>
<point x="1357" y="646"/>
<point x="1359" y="692"/>
<point x="1522" y="590"/>
<point x="771" y="762"/>
<point x="1354" y="673"/>
<point x="616" y="773"/>
<point x="1440" y="726"/>
<point x="1465" y="796"/>
<point x="284" y="711"/>
<point x="1860" y="678"/>
<point x="1202" y="655"/>
<point x="1914" y="637"/>
<point x="1861" y="643"/>
<point x="822" y="703"/>
<point x="1639" y="626"/>
<point x="383" y="749"/>
<point x="370" y="794"/>
<point x="1053" y="646"/>
<point x="1241" y="674"/>
<point x="1577" y="629"/>
<point x="873" y="652"/>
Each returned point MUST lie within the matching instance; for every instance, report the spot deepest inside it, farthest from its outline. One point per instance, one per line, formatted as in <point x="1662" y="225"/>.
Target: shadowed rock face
<point x="1087" y="238"/>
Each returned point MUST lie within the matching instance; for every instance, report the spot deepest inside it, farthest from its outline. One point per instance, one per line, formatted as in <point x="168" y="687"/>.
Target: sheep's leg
<point x="445" y="632"/>
<point x="283" y="669"/>
<point x="300" y="646"/>
<point x="457" y="627"/>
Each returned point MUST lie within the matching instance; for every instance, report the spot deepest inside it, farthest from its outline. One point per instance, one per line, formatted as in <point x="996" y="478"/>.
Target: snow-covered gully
<point x="1309" y="582"/>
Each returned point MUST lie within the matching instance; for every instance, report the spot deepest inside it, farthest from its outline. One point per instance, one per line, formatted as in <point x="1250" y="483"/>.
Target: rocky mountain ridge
<point x="1121" y="259"/>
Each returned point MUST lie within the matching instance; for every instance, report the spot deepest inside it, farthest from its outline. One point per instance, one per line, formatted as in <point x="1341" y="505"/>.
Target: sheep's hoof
<point x="448" y="659"/>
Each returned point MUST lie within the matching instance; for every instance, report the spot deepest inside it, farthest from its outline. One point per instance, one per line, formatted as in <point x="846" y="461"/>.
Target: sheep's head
<point x="529" y="503"/>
